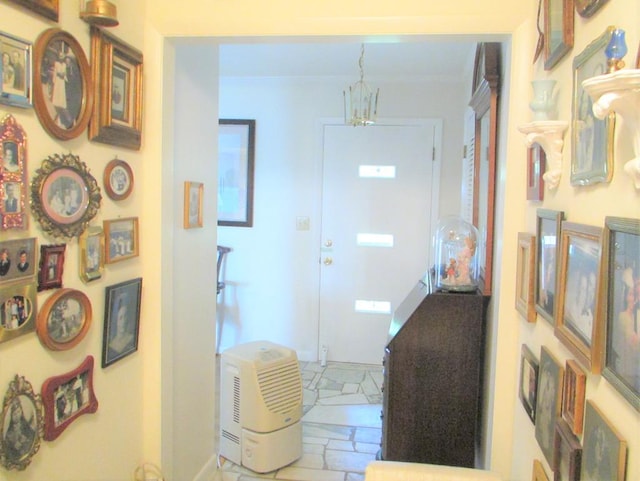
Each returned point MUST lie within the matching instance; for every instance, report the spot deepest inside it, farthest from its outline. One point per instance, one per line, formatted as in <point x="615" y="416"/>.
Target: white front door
<point x="376" y="231"/>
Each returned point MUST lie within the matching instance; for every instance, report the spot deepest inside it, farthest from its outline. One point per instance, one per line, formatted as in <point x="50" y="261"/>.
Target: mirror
<point x="484" y="102"/>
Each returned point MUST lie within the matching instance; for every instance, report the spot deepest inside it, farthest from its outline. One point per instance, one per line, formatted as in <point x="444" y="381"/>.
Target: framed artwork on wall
<point x="548" y="223"/>
<point x="591" y="138"/>
<point x="46" y="8"/>
<point x="236" y="165"/>
<point x="51" y="266"/>
<point x="567" y="454"/>
<point x="558" y="30"/>
<point x="578" y="312"/>
<point x="538" y="472"/>
<point x="17" y="259"/>
<point x="548" y="403"/>
<point x="118" y="179"/>
<point x="62" y="86"/>
<point x="64" y="319"/>
<point x="91" y="259"/>
<point x="18" y="310"/>
<point x="16" y="71"/>
<point x="193" y="198"/>
<point x="13" y="175"/>
<point x="528" y="381"/>
<point x="573" y="396"/>
<point x="622" y="291"/>
<point x="121" y="239"/>
<point x="525" y="280"/>
<point x="536" y="167"/>
<point x="604" y="451"/>
<point x="586" y="8"/>
<point x="121" y="320"/>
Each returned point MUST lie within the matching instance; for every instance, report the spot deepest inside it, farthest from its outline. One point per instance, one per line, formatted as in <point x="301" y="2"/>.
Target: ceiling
<point x="441" y="59"/>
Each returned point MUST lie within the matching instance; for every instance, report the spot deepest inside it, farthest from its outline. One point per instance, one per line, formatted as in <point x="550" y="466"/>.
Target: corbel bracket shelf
<point x="550" y="135"/>
<point x="619" y="92"/>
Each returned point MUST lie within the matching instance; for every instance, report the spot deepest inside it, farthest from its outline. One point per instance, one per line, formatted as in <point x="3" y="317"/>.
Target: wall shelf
<point x="550" y="135"/>
<point x="619" y="92"/>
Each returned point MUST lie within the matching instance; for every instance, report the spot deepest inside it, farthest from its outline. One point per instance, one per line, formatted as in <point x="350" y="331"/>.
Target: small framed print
<point x="573" y="396"/>
<point x="91" y="254"/>
<point x="67" y="397"/>
<point x="538" y="472"/>
<point x="22" y="424"/>
<point x="64" y="319"/>
<point x="16" y="71"/>
<point x="46" y="8"/>
<point x="604" y="451"/>
<point x="567" y="454"/>
<point x="18" y="310"/>
<point x="51" y="266"/>
<point x="579" y="323"/>
<point x="525" y="280"/>
<point x="117" y="70"/>
<point x="558" y="30"/>
<point x="17" y="259"/>
<point x="548" y="402"/>
<point x="121" y="320"/>
<point x="13" y="175"/>
<point x="548" y="225"/>
<point x="118" y="179"/>
<point x="536" y="166"/>
<point x="528" y="381"/>
<point x="121" y="239"/>
<point x="193" y="195"/>
<point x="586" y="8"/>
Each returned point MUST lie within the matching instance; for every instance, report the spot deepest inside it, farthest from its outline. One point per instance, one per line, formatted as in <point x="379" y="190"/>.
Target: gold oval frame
<point x="74" y="225"/>
<point x="54" y="302"/>
<point x="44" y="54"/>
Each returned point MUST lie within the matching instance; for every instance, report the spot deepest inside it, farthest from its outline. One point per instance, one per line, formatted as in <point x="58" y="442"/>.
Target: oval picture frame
<point x="64" y="319"/>
<point x="62" y="88"/>
<point x="118" y="179"/>
<point x="64" y="196"/>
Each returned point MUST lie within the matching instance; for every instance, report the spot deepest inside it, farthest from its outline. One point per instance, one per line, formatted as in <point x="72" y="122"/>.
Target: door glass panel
<point x="375" y="240"/>
<point x="377" y="171"/>
<point x="377" y="307"/>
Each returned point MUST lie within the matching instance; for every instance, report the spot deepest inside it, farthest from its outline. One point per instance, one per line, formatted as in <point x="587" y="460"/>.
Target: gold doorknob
<point x="328" y="243"/>
<point x="328" y="261"/>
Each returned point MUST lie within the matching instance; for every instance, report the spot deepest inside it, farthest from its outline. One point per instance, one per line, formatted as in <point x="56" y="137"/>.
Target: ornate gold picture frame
<point x="13" y="175"/>
<point x="18" y="310"/>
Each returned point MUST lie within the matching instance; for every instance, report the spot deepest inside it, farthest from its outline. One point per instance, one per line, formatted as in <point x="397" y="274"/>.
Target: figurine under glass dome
<point x="456" y="255"/>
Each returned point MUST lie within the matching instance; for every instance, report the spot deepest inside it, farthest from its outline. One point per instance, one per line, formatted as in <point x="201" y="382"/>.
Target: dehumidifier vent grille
<point x="230" y="436"/>
<point x="281" y="387"/>
<point x="236" y="399"/>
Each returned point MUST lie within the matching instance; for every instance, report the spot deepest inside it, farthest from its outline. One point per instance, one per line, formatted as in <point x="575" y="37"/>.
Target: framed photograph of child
<point x="121" y="320"/>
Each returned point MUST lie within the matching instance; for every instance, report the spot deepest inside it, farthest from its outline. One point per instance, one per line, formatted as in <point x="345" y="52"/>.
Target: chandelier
<point x="360" y="102"/>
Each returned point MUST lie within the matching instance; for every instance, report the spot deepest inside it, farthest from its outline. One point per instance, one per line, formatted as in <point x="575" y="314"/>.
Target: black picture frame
<point x="528" y="389"/>
<point x="121" y="320"/>
<point x="548" y="402"/>
<point x="548" y="225"/>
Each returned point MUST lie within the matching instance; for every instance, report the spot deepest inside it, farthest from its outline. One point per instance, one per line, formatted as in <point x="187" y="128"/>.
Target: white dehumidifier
<point x="260" y="406"/>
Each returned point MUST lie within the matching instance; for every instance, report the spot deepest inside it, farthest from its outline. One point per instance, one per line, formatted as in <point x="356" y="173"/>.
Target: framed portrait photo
<point x="64" y="319"/>
<point x="567" y="454"/>
<point x="548" y="402"/>
<point x="17" y="259"/>
<point x="18" y="310"/>
<point x="118" y="179"/>
<point x="51" y="266"/>
<point x="525" y="280"/>
<point x="558" y="30"/>
<point x="16" y="71"/>
<point x="604" y="451"/>
<point x="622" y="292"/>
<point x="591" y="138"/>
<point x="579" y="323"/>
<point x="536" y="167"/>
<point x="193" y="197"/>
<point x="117" y="70"/>
<point x="548" y="223"/>
<point x="62" y="86"/>
<point x="575" y="381"/>
<point x="46" y="8"/>
<point x="121" y="239"/>
<point x="64" y="196"/>
<point x="67" y="397"/>
<point x="539" y="473"/>
<point x="91" y="254"/>
<point x="13" y="175"/>
<point x="528" y="381"/>
<point x="22" y="424"/>
<point x="236" y="159"/>
<point x="121" y="320"/>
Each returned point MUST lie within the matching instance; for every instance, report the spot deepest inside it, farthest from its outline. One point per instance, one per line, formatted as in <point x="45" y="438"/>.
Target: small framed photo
<point x="567" y="454"/>
<point x="604" y="451"/>
<point x="558" y="31"/>
<point x="193" y="195"/>
<point x="121" y="320"/>
<point x="16" y="71"/>
<point x="578" y="312"/>
<point x="548" y="402"/>
<point x="13" y="175"/>
<point x="536" y="167"/>
<point x="622" y="291"/>
<point x="91" y="244"/>
<point x="591" y="138"/>
<point x="528" y="381"/>
<point x="538" y="472"/>
<point x="17" y="259"/>
<point x="62" y="87"/>
<point x="64" y="319"/>
<point x="51" y="266"/>
<point x="64" y="196"/>
<point x="548" y="224"/>
<point x="525" y="280"/>
<point x="117" y="114"/>
<point x="46" y="8"/>
<point x="67" y="397"/>
<point x="121" y="239"/>
<point x="236" y="159"/>
<point x="118" y="179"/>
<point x="22" y="425"/>
<point x="586" y="8"/>
<point x="573" y="396"/>
<point x="18" y="310"/>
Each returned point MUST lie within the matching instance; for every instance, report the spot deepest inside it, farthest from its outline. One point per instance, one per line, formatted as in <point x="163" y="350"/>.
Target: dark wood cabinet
<point x="433" y="375"/>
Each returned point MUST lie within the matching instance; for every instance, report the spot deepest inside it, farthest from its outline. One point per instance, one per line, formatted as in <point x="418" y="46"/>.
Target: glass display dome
<point x="456" y="255"/>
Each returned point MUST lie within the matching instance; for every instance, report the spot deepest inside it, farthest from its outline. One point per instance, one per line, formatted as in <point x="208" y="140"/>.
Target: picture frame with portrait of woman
<point x="18" y="310"/>
<point x="548" y="402"/>
<point x="604" y="451"/>
<point x="121" y="320"/>
<point x="622" y="291"/>
<point x="579" y="320"/>
<point x="21" y="424"/>
<point x="64" y="319"/>
<point x="15" y="88"/>
<point x="548" y="223"/>
<point x="51" y="266"/>
<point x="13" y="175"/>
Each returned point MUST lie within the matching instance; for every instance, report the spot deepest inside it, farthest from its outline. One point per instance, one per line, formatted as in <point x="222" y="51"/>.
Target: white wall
<point x="272" y="274"/>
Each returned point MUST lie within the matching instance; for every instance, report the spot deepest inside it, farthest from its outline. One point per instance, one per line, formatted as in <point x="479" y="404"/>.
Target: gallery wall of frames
<point x="65" y="219"/>
<point x="581" y="280"/>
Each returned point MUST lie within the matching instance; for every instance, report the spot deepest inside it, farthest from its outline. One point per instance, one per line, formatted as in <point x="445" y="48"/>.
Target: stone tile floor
<point x="340" y="425"/>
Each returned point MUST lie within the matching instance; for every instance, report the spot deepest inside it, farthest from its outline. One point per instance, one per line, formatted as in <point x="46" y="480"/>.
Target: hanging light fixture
<point x="101" y="13"/>
<point x="360" y="102"/>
